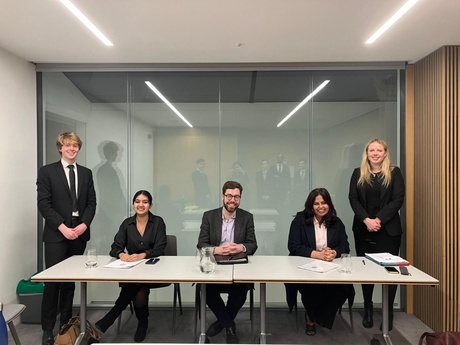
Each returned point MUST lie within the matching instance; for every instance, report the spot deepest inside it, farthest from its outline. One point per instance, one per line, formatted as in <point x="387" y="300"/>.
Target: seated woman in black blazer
<point x="317" y="232"/>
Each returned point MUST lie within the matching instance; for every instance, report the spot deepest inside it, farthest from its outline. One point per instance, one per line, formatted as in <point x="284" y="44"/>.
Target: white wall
<point x="18" y="170"/>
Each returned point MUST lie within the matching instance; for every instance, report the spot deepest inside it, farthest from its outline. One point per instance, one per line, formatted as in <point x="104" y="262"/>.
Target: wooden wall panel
<point x="435" y="186"/>
<point x="410" y="181"/>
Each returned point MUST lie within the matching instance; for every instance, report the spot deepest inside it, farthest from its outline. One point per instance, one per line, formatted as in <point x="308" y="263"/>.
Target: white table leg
<point x="263" y="305"/>
<point x="82" y="313"/>
<point x="202" y="338"/>
<point x="385" y="314"/>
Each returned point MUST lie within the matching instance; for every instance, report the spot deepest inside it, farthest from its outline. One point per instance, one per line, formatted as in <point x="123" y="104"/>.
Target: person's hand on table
<point x="329" y="254"/>
<point x="131" y="257"/>
<point x="229" y="249"/>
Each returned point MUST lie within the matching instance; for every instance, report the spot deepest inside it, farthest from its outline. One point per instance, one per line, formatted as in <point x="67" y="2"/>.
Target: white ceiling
<point x="221" y="31"/>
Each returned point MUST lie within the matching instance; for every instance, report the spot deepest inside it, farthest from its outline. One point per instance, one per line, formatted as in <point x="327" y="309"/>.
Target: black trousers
<point x="377" y="242"/>
<point x="59" y="296"/>
<point x="321" y="301"/>
<point x="226" y="313"/>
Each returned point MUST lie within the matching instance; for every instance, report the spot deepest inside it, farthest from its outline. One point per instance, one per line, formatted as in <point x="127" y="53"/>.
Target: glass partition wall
<point x="181" y="135"/>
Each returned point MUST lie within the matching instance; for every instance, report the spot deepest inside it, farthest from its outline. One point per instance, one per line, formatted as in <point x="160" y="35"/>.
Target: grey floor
<point x="281" y="328"/>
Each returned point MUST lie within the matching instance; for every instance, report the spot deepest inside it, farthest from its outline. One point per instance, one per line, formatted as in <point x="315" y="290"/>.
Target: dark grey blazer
<point x="211" y="230"/>
<point x="391" y="201"/>
<point x="55" y="203"/>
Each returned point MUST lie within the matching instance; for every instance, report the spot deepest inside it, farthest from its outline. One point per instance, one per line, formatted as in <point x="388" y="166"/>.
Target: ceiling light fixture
<point x="163" y="98"/>
<point x="301" y="104"/>
<point x="391" y="21"/>
<point x="77" y="13"/>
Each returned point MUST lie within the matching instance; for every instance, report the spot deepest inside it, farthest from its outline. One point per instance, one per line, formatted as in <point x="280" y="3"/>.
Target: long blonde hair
<point x="386" y="168"/>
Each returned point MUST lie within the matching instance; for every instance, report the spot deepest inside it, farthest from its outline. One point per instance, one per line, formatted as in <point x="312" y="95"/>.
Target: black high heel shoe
<point x="310" y="330"/>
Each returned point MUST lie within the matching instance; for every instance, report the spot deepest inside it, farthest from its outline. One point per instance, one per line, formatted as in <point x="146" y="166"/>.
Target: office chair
<point x="198" y="310"/>
<point x="170" y="250"/>
<point x="11" y="312"/>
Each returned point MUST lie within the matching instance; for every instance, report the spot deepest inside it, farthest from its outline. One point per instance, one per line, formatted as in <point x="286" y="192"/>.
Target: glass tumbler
<point x="345" y="263"/>
<point x="91" y="258"/>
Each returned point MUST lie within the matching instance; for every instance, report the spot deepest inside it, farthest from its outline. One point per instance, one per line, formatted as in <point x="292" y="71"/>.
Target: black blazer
<point x="302" y="238"/>
<point x="211" y="230"/>
<point x="55" y="203"/>
<point x="391" y="201"/>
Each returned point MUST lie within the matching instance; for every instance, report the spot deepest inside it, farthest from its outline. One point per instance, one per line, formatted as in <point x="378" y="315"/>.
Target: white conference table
<point x="170" y="269"/>
<point x="283" y="269"/>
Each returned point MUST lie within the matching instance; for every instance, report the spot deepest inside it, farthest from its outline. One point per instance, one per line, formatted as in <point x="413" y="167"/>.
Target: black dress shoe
<point x="214" y="329"/>
<point x="232" y="338"/>
<point x="368" y="318"/>
<point x="47" y="338"/>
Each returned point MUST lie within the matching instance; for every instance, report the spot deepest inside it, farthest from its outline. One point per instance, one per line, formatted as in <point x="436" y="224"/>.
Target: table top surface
<point x="280" y="269"/>
<point x="263" y="269"/>
<point x="170" y="269"/>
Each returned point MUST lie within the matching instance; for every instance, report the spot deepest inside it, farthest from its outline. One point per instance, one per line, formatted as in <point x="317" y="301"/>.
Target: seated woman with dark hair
<point x="317" y="232"/>
<point x="141" y="236"/>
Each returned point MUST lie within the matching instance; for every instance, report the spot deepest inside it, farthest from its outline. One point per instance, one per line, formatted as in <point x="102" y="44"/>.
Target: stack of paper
<point x="123" y="264"/>
<point x="319" y="266"/>
<point x="387" y="259"/>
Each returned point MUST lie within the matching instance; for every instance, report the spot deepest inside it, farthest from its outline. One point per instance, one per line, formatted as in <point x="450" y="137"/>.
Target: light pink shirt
<point x="320" y="235"/>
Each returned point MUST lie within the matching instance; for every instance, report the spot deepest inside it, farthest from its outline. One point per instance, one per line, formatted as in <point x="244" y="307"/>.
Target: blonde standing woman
<point x="376" y="195"/>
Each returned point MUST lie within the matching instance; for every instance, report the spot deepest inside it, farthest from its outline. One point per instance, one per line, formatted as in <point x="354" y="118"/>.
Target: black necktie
<point x="73" y="189"/>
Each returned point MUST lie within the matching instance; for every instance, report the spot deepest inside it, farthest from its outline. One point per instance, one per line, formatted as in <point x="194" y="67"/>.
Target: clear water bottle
<point x="3" y="329"/>
<point x="207" y="262"/>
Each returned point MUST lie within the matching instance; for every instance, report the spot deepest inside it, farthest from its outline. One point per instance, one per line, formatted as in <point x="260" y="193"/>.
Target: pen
<point x="364" y="263"/>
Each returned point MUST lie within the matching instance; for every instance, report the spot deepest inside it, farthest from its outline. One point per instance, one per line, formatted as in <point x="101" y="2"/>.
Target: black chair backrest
<point x="171" y="246"/>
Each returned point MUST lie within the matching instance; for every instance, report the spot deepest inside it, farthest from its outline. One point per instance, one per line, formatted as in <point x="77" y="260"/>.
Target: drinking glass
<point x="91" y="258"/>
<point x="345" y="263"/>
<point x="207" y="262"/>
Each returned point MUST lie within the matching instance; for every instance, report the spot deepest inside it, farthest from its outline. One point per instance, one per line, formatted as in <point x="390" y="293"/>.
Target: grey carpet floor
<point x="282" y="328"/>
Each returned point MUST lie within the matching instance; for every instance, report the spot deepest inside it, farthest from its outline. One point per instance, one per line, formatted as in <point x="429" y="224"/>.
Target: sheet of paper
<point x="319" y="266"/>
<point x="123" y="264"/>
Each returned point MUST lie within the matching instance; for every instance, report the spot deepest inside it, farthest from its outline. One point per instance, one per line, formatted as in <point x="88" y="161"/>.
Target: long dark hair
<point x="330" y="216"/>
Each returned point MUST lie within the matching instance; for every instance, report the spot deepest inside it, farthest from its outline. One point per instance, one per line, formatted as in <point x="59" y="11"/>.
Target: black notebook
<point x="240" y="258"/>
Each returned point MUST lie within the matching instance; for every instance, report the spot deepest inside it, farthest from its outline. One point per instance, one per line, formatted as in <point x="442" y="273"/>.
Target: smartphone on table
<point x="152" y="261"/>
<point x="391" y="269"/>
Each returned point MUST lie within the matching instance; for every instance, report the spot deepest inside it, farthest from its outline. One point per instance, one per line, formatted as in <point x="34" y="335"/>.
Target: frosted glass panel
<point x="133" y="140"/>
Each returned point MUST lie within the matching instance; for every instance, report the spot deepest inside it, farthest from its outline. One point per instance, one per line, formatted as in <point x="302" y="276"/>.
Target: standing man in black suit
<point x="67" y="201"/>
<point x="230" y="231"/>
<point x="300" y="188"/>
<point x="201" y="185"/>
<point x="265" y="184"/>
<point x="282" y="181"/>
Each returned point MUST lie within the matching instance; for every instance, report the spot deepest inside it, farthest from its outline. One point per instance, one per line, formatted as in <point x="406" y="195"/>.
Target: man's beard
<point x="227" y="208"/>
